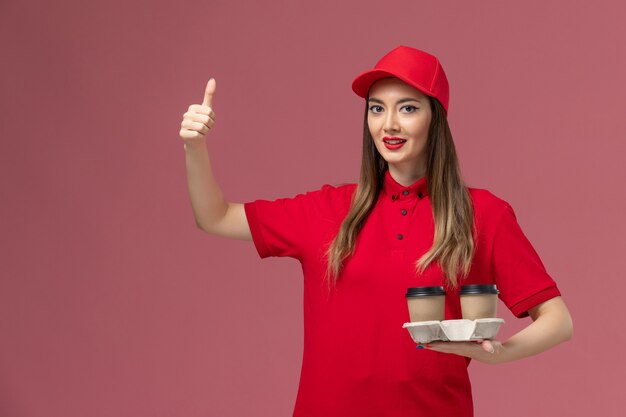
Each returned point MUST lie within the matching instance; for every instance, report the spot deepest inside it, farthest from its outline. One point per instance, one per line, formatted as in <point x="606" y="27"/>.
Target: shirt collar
<point x="398" y="191"/>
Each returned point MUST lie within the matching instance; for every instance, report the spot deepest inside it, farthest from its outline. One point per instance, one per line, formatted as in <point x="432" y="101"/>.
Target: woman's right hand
<point x="200" y="118"/>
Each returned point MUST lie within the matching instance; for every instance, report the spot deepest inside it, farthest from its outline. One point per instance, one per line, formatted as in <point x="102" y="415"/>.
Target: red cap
<point x="416" y="68"/>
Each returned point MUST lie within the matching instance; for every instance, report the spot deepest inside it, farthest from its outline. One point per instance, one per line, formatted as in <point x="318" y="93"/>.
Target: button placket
<point x="407" y="216"/>
<point x="406" y="201"/>
<point x="403" y="213"/>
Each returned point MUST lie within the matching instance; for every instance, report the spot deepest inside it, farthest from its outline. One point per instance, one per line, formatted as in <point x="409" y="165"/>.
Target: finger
<point x="199" y="117"/>
<point x="200" y="109"/>
<point x="488" y="346"/>
<point x="196" y="126"/>
<point x="209" y="92"/>
<point x="190" y="134"/>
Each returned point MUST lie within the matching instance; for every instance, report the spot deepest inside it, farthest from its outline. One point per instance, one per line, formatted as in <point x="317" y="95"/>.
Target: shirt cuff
<point x="255" y="230"/>
<point x="520" y="309"/>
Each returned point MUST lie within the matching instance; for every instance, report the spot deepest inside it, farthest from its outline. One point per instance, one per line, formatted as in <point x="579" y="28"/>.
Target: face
<point x="397" y="110"/>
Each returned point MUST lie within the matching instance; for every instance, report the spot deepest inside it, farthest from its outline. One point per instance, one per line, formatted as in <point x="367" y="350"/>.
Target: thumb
<point x="488" y="346"/>
<point x="209" y="92"/>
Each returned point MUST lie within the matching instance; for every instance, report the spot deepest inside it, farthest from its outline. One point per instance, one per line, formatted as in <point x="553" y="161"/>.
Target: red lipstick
<point x="397" y="143"/>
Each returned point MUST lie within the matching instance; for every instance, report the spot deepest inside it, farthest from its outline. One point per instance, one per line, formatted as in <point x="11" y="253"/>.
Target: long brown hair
<point x="453" y="213"/>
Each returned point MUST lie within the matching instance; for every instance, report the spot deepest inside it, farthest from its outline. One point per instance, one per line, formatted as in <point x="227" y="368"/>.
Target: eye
<point x="413" y="108"/>
<point x="375" y="106"/>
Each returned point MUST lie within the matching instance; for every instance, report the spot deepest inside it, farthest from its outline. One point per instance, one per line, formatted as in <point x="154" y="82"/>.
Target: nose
<point x="391" y="122"/>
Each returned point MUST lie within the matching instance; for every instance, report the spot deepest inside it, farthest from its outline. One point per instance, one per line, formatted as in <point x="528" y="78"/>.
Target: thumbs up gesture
<point x="199" y="118"/>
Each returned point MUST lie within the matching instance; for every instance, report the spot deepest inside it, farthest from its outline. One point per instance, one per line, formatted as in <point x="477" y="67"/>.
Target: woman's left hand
<point x="480" y="350"/>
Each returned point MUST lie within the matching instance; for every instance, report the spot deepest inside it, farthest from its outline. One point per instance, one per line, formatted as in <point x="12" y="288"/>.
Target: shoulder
<point x="341" y="189"/>
<point x="489" y="207"/>
<point x="331" y="200"/>
<point x="326" y="201"/>
<point x="336" y="194"/>
<point x="328" y="195"/>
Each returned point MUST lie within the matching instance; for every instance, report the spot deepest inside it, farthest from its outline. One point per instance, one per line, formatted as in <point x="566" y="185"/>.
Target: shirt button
<point x="420" y="194"/>
<point x="400" y="236"/>
<point x="405" y="192"/>
<point x="403" y="212"/>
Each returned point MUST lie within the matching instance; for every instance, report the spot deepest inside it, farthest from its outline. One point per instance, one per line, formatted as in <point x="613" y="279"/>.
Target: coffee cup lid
<point x="424" y="291"/>
<point x="479" y="289"/>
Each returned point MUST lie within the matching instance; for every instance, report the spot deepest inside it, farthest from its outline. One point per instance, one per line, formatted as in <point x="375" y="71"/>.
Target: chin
<point x="393" y="161"/>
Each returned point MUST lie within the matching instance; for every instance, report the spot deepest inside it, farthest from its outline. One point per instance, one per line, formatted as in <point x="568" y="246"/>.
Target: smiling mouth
<point x="393" y="141"/>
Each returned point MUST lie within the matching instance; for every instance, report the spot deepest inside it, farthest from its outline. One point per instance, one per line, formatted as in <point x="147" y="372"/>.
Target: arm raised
<point x="212" y="212"/>
<point x="233" y="225"/>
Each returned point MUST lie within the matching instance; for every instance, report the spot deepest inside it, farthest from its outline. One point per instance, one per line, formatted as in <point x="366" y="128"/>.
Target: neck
<point x="406" y="175"/>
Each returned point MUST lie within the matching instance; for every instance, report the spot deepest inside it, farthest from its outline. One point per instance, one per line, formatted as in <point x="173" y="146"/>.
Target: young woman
<point x="409" y="221"/>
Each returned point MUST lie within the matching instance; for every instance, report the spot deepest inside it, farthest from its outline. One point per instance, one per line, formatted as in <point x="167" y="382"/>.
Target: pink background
<point x="112" y="302"/>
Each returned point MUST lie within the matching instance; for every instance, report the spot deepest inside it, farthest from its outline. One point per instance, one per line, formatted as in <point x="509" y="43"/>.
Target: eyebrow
<point x="402" y="100"/>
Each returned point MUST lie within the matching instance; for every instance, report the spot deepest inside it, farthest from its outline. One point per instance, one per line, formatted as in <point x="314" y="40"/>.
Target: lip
<point x="393" y="147"/>
<point x="392" y="138"/>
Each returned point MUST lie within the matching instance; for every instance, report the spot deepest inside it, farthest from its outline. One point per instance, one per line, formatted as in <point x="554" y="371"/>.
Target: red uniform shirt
<point x="358" y="360"/>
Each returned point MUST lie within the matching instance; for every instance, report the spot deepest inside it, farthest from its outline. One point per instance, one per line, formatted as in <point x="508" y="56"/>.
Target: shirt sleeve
<point x="282" y="227"/>
<point x="519" y="273"/>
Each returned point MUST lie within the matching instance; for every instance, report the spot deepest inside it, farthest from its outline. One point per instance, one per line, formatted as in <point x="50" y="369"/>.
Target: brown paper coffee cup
<point x="426" y="303"/>
<point x="479" y="301"/>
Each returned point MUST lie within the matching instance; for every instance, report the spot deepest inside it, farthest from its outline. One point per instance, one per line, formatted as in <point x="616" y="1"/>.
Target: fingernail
<point x="419" y="347"/>
<point x="492" y="350"/>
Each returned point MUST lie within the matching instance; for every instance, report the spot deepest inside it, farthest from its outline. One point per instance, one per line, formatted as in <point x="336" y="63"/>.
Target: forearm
<point x="544" y="333"/>
<point x="207" y="200"/>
